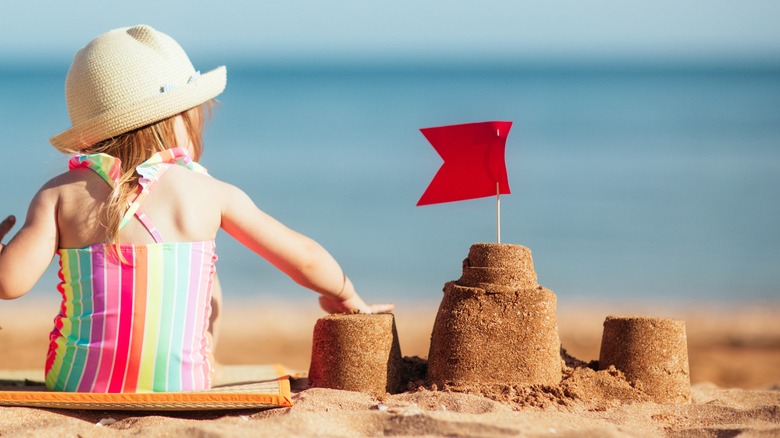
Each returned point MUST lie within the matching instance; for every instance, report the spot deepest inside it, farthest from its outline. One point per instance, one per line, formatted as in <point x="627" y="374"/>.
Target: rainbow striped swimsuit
<point x="138" y="325"/>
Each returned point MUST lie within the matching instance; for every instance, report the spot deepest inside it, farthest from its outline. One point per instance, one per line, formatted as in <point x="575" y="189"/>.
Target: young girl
<point x="134" y="220"/>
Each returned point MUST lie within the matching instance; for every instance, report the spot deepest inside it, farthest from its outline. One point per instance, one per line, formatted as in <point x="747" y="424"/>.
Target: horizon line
<point x="460" y="63"/>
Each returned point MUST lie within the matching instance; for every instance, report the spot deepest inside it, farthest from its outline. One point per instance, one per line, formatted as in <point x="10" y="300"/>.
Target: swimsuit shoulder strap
<point x="109" y="168"/>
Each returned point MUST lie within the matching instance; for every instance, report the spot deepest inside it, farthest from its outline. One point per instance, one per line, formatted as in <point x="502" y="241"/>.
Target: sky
<point x="372" y="31"/>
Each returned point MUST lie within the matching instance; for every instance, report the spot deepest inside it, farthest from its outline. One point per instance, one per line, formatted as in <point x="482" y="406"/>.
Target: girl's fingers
<point x="329" y="305"/>
<point x="333" y="306"/>
<point x="6" y="226"/>
<point x="382" y="308"/>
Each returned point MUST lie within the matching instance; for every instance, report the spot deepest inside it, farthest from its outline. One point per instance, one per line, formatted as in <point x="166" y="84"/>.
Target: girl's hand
<point x="5" y="227"/>
<point x="355" y="304"/>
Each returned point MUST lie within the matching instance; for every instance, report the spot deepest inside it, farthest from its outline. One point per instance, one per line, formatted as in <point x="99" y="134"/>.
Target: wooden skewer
<point x="498" y="213"/>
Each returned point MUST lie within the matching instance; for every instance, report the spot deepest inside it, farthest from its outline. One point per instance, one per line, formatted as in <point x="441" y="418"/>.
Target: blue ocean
<point x="628" y="181"/>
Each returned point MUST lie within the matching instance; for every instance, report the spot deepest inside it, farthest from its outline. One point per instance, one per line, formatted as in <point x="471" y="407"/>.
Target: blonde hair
<point x="135" y="147"/>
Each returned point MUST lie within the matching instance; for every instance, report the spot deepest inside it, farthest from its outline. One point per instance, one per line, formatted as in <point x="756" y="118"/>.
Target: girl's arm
<point x="28" y="254"/>
<point x="298" y="256"/>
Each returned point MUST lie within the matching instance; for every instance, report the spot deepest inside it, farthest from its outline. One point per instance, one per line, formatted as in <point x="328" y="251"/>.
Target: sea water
<point x="627" y="181"/>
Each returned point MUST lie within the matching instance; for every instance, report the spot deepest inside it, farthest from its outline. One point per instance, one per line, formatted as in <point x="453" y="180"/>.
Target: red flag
<point x="473" y="155"/>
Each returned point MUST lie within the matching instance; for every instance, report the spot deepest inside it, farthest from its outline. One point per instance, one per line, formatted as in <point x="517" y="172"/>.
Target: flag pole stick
<point x="498" y="213"/>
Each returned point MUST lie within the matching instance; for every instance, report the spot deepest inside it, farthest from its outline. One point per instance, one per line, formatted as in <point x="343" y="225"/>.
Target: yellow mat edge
<point x="200" y="400"/>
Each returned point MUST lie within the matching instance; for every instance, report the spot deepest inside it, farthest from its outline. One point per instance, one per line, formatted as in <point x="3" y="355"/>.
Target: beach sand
<point x="734" y="354"/>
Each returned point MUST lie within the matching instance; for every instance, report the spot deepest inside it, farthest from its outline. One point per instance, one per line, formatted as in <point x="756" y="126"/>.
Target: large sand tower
<point x="495" y="324"/>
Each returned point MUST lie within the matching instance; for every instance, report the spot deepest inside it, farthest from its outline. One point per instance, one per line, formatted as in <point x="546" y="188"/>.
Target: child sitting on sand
<point x="134" y="221"/>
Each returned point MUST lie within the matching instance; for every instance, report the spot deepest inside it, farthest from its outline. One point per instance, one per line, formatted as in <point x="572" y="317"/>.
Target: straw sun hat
<point x="128" y="78"/>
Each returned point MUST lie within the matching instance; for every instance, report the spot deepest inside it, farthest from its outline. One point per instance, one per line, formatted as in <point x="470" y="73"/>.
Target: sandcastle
<point x="356" y="352"/>
<point x="651" y="352"/>
<point x="495" y="325"/>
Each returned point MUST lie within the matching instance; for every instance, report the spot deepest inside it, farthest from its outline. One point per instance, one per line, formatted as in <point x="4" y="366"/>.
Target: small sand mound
<point x="357" y="353"/>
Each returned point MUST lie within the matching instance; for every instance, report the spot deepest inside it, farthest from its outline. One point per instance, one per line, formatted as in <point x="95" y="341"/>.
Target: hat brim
<point x="142" y="112"/>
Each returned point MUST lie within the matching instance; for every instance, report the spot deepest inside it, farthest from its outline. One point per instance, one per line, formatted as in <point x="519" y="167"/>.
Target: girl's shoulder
<point x="74" y="185"/>
<point x="78" y="177"/>
<point x="194" y="181"/>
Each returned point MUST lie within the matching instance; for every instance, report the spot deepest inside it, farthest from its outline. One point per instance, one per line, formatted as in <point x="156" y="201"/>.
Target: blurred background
<point x="644" y="160"/>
